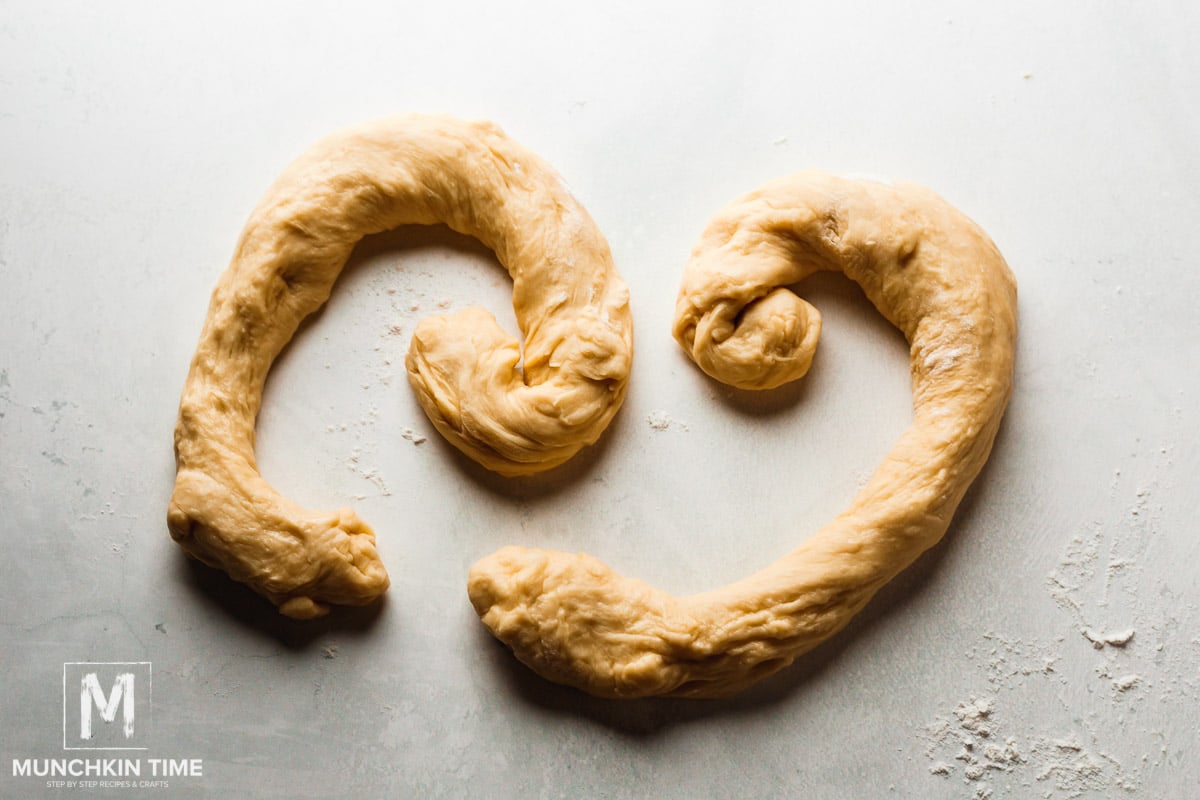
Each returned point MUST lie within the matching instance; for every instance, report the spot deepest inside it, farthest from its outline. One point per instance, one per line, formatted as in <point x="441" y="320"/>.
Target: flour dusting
<point x="354" y="460"/>
<point x="973" y="737"/>
<point x="1009" y="661"/>
<point x="408" y="434"/>
<point x="977" y="746"/>
<point x="1099" y="640"/>
<point x="662" y="421"/>
<point x="1117" y="616"/>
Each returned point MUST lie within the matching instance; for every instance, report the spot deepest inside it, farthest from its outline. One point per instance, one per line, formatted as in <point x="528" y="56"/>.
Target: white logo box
<point x="107" y="705"/>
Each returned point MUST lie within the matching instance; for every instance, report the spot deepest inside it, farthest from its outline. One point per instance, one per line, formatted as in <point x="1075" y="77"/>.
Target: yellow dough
<point x="930" y="271"/>
<point x="513" y="409"/>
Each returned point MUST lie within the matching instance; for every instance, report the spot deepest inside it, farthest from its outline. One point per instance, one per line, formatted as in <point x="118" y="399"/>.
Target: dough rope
<point x="930" y="271"/>
<point x="513" y="409"/>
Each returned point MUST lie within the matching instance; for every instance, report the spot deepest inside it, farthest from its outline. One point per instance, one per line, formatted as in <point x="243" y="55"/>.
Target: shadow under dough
<point x="243" y="607"/>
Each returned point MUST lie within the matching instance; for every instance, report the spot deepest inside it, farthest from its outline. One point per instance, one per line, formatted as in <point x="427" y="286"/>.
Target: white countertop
<point x="136" y="139"/>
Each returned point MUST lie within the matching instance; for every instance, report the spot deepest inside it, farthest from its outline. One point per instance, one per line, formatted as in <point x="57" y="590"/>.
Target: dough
<point x="930" y="271"/>
<point x="514" y="410"/>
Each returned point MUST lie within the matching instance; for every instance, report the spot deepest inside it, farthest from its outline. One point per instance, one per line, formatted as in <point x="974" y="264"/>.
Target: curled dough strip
<point x="930" y="271"/>
<point x="570" y="303"/>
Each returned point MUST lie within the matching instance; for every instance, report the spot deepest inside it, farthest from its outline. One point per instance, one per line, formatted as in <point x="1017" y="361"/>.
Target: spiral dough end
<point x="512" y="417"/>
<point x="930" y="271"/>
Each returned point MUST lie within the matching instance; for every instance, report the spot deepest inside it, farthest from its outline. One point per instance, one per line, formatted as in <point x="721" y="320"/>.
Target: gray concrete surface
<point x="136" y="137"/>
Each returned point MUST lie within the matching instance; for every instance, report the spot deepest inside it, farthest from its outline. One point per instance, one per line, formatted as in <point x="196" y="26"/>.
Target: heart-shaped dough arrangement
<point x="513" y="409"/>
<point x="930" y="271"/>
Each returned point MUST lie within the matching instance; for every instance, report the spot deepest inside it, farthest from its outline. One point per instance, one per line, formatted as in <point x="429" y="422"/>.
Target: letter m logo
<point x="90" y="694"/>
<point x="109" y="704"/>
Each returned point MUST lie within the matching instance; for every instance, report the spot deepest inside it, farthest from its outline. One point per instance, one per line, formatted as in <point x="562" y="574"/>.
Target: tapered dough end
<point x="302" y="561"/>
<point x="353" y="572"/>
<point x="572" y="619"/>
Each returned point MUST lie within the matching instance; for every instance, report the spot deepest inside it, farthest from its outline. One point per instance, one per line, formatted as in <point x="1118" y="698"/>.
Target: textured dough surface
<point x="932" y="273"/>
<point x="514" y="409"/>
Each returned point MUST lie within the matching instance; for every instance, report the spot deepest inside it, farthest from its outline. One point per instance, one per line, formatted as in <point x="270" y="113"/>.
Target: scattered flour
<point x="1099" y="640"/>
<point x="1126" y="682"/>
<point x="1010" y="661"/>
<point x="971" y="735"/>
<point x="662" y="421"/>
<point x="374" y="477"/>
<point x="973" y="716"/>
<point x="354" y="459"/>
<point x="1068" y="765"/>
<point x="410" y="435"/>
<point x="988" y="759"/>
<point x="1118" y="613"/>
